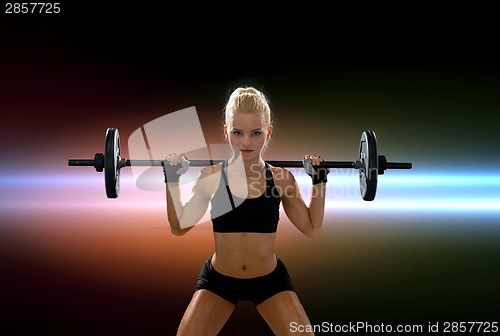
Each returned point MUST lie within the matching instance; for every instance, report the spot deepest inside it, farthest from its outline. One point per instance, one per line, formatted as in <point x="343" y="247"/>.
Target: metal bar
<point x="399" y="165"/>
<point x="204" y="163"/>
<point x="81" y="162"/>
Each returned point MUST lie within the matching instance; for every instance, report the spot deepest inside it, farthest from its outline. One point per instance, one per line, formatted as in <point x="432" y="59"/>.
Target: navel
<point x="244" y="267"/>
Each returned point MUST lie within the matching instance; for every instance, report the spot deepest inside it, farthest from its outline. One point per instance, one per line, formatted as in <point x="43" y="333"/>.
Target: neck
<point x="251" y="166"/>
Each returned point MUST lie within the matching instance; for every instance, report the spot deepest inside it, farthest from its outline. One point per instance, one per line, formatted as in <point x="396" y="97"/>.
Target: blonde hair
<point x="248" y="100"/>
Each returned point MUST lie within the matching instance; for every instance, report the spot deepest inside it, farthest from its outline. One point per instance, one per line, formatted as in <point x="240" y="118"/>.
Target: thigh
<point x="281" y="310"/>
<point x="206" y="314"/>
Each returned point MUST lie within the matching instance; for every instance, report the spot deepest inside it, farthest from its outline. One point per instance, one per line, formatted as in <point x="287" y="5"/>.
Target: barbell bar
<point x="369" y="164"/>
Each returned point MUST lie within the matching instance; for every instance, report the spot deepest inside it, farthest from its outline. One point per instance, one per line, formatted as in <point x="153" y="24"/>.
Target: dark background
<point x="425" y="78"/>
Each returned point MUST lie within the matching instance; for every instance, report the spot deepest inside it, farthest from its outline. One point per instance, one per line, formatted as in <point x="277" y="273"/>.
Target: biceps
<point x="295" y="208"/>
<point x="194" y="210"/>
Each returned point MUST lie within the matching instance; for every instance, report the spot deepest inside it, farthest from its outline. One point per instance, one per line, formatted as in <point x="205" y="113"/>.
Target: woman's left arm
<point x="307" y="218"/>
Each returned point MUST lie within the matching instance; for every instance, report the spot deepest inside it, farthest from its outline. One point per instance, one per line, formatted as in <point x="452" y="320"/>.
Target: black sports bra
<point x="230" y="213"/>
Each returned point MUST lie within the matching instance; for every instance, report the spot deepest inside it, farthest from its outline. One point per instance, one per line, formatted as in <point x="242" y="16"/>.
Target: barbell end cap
<point x="99" y="162"/>
<point x="382" y="164"/>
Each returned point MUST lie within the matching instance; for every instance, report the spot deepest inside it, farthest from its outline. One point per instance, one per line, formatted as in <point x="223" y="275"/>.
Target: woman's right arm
<point x="183" y="217"/>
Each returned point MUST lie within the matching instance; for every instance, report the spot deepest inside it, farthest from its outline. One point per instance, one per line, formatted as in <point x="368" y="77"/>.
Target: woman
<point x="245" y="194"/>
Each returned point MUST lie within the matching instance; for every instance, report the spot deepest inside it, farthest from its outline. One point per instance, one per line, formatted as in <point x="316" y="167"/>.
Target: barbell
<point x="369" y="164"/>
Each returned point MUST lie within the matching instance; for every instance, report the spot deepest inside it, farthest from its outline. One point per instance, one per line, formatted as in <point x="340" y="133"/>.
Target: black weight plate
<point x="111" y="160"/>
<point x="368" y="173"/>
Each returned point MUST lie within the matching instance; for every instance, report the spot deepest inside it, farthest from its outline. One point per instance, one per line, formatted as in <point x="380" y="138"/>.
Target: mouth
<point x="246" y="151"/>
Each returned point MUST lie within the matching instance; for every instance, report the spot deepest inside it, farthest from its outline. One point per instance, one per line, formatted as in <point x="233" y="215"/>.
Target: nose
<point x="246" y="140"/>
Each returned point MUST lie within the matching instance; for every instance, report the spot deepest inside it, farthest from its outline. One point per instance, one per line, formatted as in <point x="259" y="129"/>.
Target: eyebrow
<point x="237" y="129"/>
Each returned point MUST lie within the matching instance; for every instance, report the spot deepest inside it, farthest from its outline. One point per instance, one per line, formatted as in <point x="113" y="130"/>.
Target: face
<point x="247" y="135"/>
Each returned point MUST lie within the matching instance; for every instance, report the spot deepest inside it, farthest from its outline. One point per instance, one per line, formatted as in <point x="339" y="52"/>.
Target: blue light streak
<point x="399" y="191"/>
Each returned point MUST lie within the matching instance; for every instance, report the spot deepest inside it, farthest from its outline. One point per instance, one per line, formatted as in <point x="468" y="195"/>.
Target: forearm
<point x="175" y="209"/>
<point x="317" y="207"/>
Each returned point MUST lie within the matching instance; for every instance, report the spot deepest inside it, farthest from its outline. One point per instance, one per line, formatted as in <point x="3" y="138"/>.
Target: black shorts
<point x="256" y="289"/>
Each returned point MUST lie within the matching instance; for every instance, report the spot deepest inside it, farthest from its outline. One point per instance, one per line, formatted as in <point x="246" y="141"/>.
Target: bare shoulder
<point x="210" y="170"/>
<point x="285" y="183"/>
<point x="208" y="180"/>
<point x="282" y="176"/>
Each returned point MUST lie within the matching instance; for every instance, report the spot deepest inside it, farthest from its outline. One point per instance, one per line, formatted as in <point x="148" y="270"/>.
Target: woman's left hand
<point x="312" y="167"/>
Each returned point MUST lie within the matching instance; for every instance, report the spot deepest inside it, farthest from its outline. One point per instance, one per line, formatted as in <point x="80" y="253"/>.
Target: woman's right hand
<point x="174" y="166"/>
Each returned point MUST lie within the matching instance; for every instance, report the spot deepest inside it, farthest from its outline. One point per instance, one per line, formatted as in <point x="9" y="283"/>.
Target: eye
<point x="256" y="133"/>
<point x="237" y="133"/>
